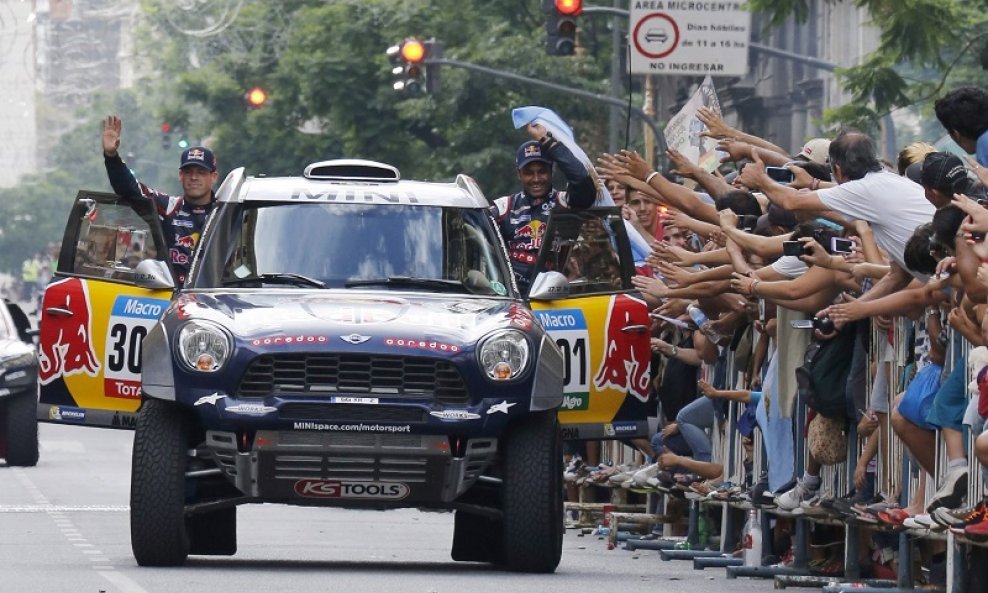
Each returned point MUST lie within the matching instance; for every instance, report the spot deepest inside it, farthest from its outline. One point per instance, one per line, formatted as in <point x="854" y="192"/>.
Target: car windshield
<point x="390" y="247"/>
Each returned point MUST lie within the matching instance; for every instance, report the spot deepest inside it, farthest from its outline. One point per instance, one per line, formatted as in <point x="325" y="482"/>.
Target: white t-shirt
<point x="790" y="266"/>
<point x="894" y="206"/>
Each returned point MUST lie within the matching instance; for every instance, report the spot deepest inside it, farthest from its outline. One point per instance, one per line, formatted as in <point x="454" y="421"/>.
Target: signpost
<point x="689" y="37"/>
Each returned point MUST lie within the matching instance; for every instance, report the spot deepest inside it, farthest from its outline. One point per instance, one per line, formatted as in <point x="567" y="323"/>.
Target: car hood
<point x="328" y="315"/>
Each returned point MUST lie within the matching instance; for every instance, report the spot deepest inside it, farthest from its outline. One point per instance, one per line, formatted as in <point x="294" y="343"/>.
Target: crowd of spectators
<point x="785" y="281"/>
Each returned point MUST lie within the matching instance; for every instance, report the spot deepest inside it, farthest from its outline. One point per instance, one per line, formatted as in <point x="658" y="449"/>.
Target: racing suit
<point x="181" y="222"/>
<point x="521" y="218"/>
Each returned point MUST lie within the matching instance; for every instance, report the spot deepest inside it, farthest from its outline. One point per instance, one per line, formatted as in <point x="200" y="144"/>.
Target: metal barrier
<point x="892" y="478"/>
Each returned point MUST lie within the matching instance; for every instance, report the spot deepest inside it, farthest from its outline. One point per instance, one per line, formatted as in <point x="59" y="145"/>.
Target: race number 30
<point x="130" y="321"/>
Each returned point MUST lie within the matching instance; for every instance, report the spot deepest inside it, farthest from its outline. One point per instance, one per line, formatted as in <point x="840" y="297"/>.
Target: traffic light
<point x="560" y="25"/>
<point x="183" y="138"/>
<point x="407" y="64"/>
<point x="166" y="136"/>
<point x="256" y="97"/>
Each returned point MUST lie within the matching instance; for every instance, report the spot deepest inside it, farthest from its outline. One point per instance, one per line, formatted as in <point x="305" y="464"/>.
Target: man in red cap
<point x="182" y="217"/>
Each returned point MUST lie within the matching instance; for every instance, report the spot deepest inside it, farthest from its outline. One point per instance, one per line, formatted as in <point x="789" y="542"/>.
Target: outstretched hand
<point x="716" y="127"/>
<point x="111" y="134"/>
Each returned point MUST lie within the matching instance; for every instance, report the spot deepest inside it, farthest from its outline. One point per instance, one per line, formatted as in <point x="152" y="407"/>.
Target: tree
<point x="926" y="48"/>
<point x="330" y="86"/>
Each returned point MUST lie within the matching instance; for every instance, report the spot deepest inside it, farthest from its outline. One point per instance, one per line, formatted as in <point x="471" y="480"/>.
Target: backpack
<point x="822" y="379"/>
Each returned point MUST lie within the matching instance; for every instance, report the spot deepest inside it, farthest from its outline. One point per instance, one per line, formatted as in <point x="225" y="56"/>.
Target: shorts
<point x="918" y="399"/>
<point x="950" y="402"/>
<point x="879" y="401"/>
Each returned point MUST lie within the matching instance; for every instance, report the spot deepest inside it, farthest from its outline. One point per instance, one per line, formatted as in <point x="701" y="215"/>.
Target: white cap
<point x="816" y="150"/>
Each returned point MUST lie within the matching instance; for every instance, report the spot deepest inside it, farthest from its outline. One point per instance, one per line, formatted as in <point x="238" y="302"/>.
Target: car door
<point x="601" y="325"/>
<point x="93" y="315"/>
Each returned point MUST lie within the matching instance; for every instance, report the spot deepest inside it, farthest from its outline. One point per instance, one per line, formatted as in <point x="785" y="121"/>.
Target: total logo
<point x="353" y="490"/>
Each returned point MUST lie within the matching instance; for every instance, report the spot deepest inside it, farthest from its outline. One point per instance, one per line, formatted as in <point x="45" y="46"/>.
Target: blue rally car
<point x="345" y="338"/>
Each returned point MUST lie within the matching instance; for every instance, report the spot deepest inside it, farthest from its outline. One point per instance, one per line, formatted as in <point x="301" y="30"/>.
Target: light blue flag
<point x="561" y="131"/>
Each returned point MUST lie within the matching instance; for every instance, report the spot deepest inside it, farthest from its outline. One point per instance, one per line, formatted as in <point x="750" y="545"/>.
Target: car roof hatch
<point x="352" y="170"/>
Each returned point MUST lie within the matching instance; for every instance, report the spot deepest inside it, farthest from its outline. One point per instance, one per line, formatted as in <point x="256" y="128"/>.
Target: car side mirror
<point x="549" y="286"/>
<point x="153" y="274"/>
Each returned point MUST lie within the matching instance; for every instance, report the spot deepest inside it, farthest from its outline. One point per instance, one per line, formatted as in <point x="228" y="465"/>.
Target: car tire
<point x="532" y="495"/>
<point x="213" y="533"/>
<point x="21" y="430"/>
<point x="158" y="535"/>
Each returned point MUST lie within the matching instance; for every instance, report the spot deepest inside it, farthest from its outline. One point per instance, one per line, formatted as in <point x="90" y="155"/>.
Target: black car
<point x="18" y="388"/>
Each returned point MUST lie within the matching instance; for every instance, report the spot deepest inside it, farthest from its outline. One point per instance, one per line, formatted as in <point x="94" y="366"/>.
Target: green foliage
<point x="932" y="37"/>
<point x="330" y="96"/>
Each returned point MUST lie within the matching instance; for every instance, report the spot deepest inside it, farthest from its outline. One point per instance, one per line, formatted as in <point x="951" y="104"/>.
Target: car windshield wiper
<point x="403" y="281"/>
<point x="280" y="278"/>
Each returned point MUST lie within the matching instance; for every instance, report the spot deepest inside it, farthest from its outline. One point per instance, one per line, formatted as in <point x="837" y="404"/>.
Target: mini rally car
<point x="345" y="338"/>
<point x="18" y="388"/>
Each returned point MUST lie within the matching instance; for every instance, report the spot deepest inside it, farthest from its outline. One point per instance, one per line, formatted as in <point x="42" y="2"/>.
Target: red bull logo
<point x="529" y="236"/>
<point x="66" y="345"/>
<point x="625" y="365"/>
<point x="188" y="241"/>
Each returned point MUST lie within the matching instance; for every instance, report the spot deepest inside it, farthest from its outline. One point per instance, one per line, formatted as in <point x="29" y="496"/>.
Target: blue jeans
<point x="692" y="421"/>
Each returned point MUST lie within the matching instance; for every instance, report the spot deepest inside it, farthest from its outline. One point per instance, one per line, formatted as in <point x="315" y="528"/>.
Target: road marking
<point x="104" y="568"/>
<point x="51" y="508"/>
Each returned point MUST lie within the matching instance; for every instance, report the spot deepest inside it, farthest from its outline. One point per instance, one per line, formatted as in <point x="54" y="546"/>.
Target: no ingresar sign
<point x="689" y="37"/>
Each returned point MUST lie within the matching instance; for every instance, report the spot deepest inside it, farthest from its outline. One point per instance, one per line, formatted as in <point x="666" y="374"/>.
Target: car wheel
<point x="532" y="495"/>
<point x="158" y="534"/>
<point x="213" y="533"/>
<point x="22" y="430"/>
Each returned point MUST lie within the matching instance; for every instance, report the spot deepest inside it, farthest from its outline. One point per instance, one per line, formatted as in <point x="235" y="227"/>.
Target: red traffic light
<point x="569" y="7"/>
<point x="256" y="97"/>
<point x="166" y="128"/>
<point x="413" y="51"/>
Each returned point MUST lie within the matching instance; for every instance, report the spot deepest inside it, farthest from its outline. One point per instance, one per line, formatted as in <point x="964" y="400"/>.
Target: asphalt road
<point x="64" y="527"/>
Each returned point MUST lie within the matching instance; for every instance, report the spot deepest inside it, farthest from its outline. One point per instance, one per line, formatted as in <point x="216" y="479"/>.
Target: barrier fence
<point x="895" y="475"/>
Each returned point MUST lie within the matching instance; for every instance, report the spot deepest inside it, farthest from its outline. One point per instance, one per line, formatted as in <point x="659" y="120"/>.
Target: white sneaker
<point x="642" y="476"/>
<point x="790" y="501"/>
<point x="810" y="507"/>
<point x="953" y="491"/>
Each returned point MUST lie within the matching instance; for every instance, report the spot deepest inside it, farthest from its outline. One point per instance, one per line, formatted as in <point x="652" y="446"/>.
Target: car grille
<point x="355" y="413"/>
<point x="354" y="374"/>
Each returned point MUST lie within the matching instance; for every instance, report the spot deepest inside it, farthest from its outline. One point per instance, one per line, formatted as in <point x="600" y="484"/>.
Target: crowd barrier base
<point x="652" y="544"/>
<point x="667" y="555"/>
<point x="764" y="572"/>
<point x="719" y="561"/>
<point x="784" y="581"/>
<point x="856" y="588"/>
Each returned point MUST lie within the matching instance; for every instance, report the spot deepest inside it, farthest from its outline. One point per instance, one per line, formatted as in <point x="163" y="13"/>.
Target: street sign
<point x="689" y="37"/>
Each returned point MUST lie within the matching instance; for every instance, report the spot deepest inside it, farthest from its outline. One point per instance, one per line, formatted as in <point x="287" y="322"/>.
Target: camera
<point x="747" y="222"/>
<point x="840" y="245"/>
<point x="780" y="175"/>
<point x="793" y="248"/>
<point x="824" y="324"/>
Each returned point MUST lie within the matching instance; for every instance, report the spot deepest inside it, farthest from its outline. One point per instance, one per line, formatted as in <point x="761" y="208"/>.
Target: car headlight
<point x="203" y="346"/>
<point x="504" y="355"/>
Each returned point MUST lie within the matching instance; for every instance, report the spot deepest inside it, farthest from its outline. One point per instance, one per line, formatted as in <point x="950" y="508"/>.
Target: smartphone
<point x="801" y="323"/>
<point x="780" y="175"/>
<point x="747" y="222"/>
<point x="840" y="245"/>
<point x="794" y="248"/>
